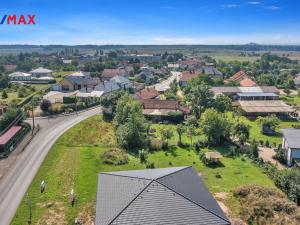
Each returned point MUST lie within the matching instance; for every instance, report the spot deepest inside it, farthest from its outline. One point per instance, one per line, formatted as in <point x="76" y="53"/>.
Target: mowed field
<point x="74" y="163"/>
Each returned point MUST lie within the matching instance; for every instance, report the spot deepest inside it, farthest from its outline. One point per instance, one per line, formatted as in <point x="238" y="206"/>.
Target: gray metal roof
<point x="107" y="86"/>
<point x="257" y="94"/>
<point x="194" y="189"/>
<point x="116" y="192"/>
<point x="156" y="196"/>
<point x="292" y="137"/>
<point x="82" y="80"/>
<point x="260" y="89"/>
<point x="149" y="174"/>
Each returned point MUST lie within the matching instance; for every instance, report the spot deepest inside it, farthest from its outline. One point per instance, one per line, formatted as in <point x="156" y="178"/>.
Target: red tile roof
<point x="110" y="73"/>
<point x="189" y="75"/>
<point x="247" y="82"/>
<point x="8" y="135"/>
<point x="237" y="77"/>
<point x="242" y="78"/>
<point x="148" y="93"/>
<point x="160" y="104"/>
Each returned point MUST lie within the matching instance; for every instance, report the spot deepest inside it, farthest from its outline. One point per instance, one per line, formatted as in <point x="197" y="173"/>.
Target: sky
<point x="131" y="22"/>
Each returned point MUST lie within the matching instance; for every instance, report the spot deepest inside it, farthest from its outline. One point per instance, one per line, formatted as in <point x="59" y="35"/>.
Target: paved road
<point x="15" y="183"/>
<point x="165" y="85"/>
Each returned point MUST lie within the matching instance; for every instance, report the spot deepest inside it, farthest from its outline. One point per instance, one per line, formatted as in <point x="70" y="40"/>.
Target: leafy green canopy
<point x="130" y="124"/>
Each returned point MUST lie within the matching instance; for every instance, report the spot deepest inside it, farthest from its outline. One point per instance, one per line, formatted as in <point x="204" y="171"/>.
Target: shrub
<point x="261" y="142"/>
<point x="175" y="117"/>
<point x="4" y="94"/>
<point x="263" y="205"/>
<point x="143" y="155"/>
<point x="280" y="155"/>
<point x="69" y="99"/>
<point x="115" y="156"/>
<point x="267" y="143"/>
<point x="218" y="174"/>
<point x="45" y="105"/>
<point x="253" y="149"/>
<point x="150" y="165"/>
<point x="201" y="155"/>
<point x="233" y="151"/>
<point x="155" y="145"/>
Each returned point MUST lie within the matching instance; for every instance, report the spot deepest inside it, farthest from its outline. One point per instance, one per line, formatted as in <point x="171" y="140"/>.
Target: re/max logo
<point x="18" y="20"/>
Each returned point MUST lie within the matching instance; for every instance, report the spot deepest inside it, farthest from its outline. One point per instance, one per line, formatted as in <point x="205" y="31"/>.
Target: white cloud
<point x="230" y="6"/>
<point x="254" y="3"/>
<point x="272" y="7"/>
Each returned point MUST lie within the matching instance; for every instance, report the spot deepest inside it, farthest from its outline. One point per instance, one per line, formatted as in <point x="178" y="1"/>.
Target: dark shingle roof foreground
<point x="156" y="196"/>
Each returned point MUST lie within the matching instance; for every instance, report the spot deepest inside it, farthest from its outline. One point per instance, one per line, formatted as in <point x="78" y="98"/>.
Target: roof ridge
<point x="119" y="175"/>
<point x="183" y="168"/>
<point x="193" y="201"/>
<point x="130" y="202"/>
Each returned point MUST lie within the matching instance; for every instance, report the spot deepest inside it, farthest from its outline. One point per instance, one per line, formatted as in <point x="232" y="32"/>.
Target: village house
<point x="187" y="76"/>
<point x="73" y="83"/>
<point x="291" y="142"/>
<point x="211" y="71"/>
<point x="89" y="96"/>
<point x="19" y="76"/>
<point x="158" y="110"/>
<point x="146" y="74"/>
<point x="190" y="64"/>
<point x="10" y="67"/>
<point x="122" y="81"/>
<point x="107" y="87"/>
<point x="147" y="93"/>
<point x="41" y="73"/>
<point x="156" y="196"/>
<point x="242" y="79"/>
<point x="107" y="74"/>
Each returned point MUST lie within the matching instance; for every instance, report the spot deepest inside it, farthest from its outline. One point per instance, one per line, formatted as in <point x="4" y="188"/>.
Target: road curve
<point x="15" y="183"/>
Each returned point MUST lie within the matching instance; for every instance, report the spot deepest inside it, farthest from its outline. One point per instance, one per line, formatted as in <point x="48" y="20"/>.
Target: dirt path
<point x="267" y="155"/>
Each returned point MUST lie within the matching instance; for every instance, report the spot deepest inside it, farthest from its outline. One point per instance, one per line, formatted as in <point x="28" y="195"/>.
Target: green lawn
<point x="74" y="162"/>
<point x="255" y="131"/>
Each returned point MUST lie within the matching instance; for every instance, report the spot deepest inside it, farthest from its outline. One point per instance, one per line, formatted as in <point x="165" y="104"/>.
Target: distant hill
<point x="5" y="49"/>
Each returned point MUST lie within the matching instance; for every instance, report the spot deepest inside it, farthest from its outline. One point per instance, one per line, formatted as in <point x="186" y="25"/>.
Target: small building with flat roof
<point x="291" y="142"/>
<point x="264" y="108"/>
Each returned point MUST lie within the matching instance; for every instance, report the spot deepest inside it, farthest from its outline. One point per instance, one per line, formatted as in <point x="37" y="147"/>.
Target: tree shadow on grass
<point x="172" y="150"/>
<point x="215" y="165"/>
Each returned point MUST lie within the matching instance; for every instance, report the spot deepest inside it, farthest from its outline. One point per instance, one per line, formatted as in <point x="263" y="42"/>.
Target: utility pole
<point x="76" y="105"/>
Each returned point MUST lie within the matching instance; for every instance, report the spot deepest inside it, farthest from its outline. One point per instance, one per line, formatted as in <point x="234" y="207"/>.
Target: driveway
<point x="267" y="155"/>
<point x="16" y="181"/>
